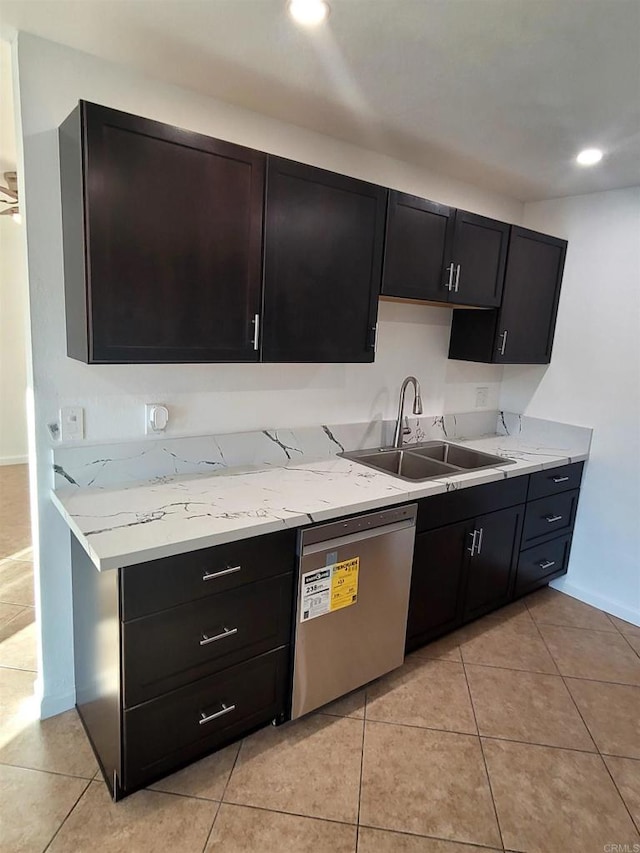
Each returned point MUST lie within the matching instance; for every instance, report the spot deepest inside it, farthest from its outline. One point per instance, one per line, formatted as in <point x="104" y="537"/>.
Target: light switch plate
<point x="72" y="423"/>
<point x="482" y="397"/>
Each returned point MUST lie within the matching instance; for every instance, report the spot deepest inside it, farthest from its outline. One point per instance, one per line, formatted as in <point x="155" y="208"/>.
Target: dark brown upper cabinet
<point x="521" y="331"/>
<point x="417" y="248"/>
<point x="323" y="262"/>
<point x="439" y="254"/>
<point x="475" y="273"/>
<point x="162" y="233"/>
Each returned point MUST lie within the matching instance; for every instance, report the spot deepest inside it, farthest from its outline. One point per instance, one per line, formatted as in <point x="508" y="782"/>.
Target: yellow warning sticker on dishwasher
<point x="329" y="588"/>
<point x="344" y="583"/>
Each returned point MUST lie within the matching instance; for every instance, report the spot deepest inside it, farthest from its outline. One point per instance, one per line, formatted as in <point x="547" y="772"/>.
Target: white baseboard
<point x="599" y="601"/>
<point x="14" y="460"/>
<point x="52" y="705"/>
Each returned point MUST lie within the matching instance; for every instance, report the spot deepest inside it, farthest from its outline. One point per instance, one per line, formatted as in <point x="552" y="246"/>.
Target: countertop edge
<point x="415" y="491"/>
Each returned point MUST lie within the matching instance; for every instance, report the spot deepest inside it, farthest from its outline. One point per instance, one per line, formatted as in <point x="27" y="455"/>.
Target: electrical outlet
<point x="72" y="423"/>
<point x="482" y="397"/>
<point x="156" y="418"/>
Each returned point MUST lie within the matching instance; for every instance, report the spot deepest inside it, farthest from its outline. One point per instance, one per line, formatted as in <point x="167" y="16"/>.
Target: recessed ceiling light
<point x="309" y="13"/>
<point x="589" y="157"/>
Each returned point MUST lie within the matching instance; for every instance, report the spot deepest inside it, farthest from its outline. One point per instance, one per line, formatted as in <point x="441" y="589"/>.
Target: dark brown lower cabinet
<point x="162" y="681"/>
<point x="495" y="540"/>
<point x="461" y="571"/>
<point x="436" y="580"/>
<point x="479" y="548"/>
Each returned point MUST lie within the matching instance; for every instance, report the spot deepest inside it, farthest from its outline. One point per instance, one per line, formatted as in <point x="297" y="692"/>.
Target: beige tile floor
<point x="520" y="732"/>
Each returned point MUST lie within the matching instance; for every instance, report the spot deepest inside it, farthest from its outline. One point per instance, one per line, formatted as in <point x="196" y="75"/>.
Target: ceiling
<point x="501" y="93"/>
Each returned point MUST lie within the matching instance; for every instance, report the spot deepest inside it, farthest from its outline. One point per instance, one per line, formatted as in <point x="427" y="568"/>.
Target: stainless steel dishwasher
<point x="353" y="597"/>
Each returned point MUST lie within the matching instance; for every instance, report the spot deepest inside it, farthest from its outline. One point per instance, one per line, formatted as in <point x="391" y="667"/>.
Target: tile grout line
<point x="615" y="785"/>
<point x="364" y="726"/>
<point x="476" y="845"/>
<point x="68" y="814"/>
<point x="599" y="753"/>
<point x="224" y="791"/>
<point x="291" y="814"/>
<point x="556" y="674"/>
<point x="486" y="737"/>
<point x="566" y="687"/>
<point x="18" y="669"/>
<point x="484" y="759"/>
<point x="51" y="772"/>
<point x="628" y="642"/>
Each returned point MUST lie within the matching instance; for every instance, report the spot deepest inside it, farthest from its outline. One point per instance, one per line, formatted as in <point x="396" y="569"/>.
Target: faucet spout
<point x="417" y="408"/>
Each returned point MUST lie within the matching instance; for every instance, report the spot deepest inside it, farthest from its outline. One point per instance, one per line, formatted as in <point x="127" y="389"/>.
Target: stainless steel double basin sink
<point x="426" y="461"/>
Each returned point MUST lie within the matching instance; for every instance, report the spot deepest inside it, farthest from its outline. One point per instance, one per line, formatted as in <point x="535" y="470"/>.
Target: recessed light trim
<point x="589" y="157"/>
<point x="309" y="13"/>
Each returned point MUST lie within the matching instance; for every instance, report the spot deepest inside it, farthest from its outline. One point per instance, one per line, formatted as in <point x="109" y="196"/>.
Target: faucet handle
<point x="406" y="429"/>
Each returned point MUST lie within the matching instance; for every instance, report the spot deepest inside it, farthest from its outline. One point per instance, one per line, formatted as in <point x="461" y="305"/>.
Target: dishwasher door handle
<point x="352" y="538"/>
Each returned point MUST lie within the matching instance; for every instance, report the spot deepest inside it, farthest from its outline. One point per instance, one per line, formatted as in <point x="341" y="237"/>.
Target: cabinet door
<point x="323" y="263"/>
<point x="173" y="242"/>
<point x="479" y="255"/>
<point x="439" y="558"/>
<point x="530" y="300"/>
<point x="491" y="567"/>
<point x="417" y="245"/>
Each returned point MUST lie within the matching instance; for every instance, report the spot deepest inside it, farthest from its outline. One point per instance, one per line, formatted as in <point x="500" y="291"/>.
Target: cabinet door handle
<point x="503" y="345"/>
<point x="226" y="632"/>
<point x="374" y="338"/>
<point x="559" y="479"/>
<point x="472" y="550"/>
<point x="455" y="287"/>
<point x="551" y="518"/>
<point x="449" y="283"/>
<point x="547" y="564"/>
<point x="226" y="709"/>
<point x="479" y="548"/>
<point x="209" y="576"/>
<point x="256" y="331"/>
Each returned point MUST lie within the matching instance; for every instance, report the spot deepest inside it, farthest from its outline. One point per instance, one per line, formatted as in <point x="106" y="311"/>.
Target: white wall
<point x="594" y="380"/>
<point x="13" y="356"/>
<point x="202" y="398"/>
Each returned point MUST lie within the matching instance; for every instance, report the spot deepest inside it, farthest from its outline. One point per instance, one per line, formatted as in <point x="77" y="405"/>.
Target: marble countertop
<point x="173" y="514"/>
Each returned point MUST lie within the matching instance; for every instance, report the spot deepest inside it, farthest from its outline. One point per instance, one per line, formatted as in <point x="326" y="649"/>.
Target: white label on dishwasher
<point x="316" y="594"/>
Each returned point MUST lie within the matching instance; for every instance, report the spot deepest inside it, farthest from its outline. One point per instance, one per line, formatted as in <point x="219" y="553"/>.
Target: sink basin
<point x="461" y="457"/>
<point x="402" y="463"/>
<point x="425" y="461"/>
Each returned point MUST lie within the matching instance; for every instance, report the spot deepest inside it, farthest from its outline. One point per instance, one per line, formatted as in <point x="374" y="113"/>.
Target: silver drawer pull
<point x="546" y="564"/>
<point x="226" y="632"/>
<point x="559" y="479"/>
<point x="226" y="709"/>
<point x="449" y="283"/>
<point x="552" y="518"/>
<point x="209" y="576"/>
<point x="472" y="550"/>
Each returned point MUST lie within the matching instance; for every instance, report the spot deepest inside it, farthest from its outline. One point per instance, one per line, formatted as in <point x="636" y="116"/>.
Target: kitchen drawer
<point x="177" y="646"/>
<point x="550" y="516"/>
<point x="468" y="503"/>
<point x="554" y="480"/>
<point x="159" y="584"/>
<point x="170" y="731"/>
<point x="536" y="566"/>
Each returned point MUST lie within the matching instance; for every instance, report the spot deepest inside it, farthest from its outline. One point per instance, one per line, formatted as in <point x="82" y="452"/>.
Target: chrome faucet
<point x="401" y="430"/>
